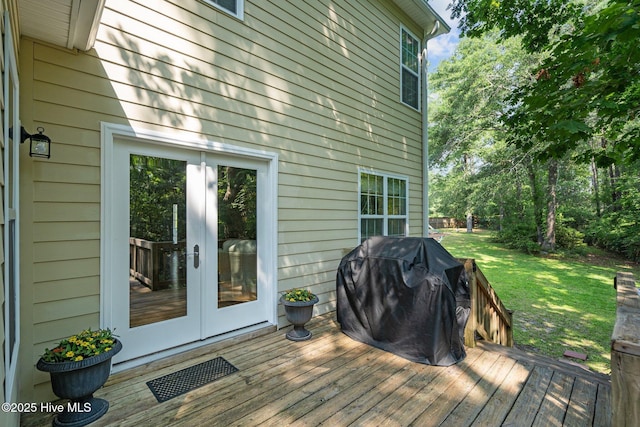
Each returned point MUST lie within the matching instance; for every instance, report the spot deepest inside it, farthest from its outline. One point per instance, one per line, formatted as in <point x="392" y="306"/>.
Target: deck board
<point x="456" y="391"/>
<point x="602" y="415"/>
<point x="500" y="403"/>
<point x="581" y="410"/>
<point x="333" y="380"/>
<point x="470" y="408"/>
<point x="526" y="407"/>
<point x="556" y="401"/>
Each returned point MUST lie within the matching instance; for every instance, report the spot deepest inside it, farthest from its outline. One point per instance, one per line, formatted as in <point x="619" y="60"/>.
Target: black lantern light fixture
<point x="39" y="143"/>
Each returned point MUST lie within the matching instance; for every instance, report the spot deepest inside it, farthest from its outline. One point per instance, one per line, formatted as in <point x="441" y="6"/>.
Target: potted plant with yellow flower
<point x="78" y="366"/>
<point x="298" y="306"/>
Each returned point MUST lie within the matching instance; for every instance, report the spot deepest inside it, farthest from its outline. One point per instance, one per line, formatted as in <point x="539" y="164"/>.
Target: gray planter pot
<point x="298" y="313"/>
<point x="77" y="381"/>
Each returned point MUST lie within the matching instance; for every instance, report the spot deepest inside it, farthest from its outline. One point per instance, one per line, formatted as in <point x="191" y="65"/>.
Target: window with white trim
<point x="384" y="201"/>
<point x="409" y="69"/>
<point x="233" y="7"/>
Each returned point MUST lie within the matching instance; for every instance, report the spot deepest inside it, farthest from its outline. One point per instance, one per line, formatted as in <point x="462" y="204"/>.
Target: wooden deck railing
<point x="489" y="318"/>
<point x="625" y="354"/>
<point x="157" y="264"/>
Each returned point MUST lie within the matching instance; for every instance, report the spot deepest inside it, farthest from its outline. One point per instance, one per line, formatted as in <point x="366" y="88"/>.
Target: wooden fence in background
<point x="446" y="222"/>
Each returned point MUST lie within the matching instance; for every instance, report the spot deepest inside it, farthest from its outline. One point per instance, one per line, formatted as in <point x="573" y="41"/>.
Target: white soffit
<point x="69" y="23"/>
<point x="424" y="16"/>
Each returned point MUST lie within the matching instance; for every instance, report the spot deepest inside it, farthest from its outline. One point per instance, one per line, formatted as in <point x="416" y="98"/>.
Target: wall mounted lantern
<point x="39" y="143"/>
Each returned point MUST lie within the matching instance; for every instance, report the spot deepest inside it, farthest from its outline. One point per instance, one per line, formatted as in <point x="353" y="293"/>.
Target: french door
<point x="187" y="237"/>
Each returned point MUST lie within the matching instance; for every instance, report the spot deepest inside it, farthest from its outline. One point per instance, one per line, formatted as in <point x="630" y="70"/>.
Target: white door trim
<point x="110" y="132"/>
<point x="11" y="199"/>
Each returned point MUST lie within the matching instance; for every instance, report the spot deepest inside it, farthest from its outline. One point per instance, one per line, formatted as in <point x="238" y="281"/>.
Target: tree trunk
<point x="614" y="178"/>
<point x="521" y="211"/>
<point x="596" y="186"/>
<point x="537" y="202"/>
<point x="549" y="243"/>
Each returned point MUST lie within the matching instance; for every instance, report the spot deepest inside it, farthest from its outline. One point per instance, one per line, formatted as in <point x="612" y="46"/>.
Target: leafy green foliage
<point x="576" y="101"/>
<point x="519" y="237"/>
<point x="156" y="185"/>
<point x="569" y="238"/>
<point x="587" y="84"/>
<point x="80" y="346"/>
<point x="535" y="21"/>
<point x="472" y="91"/>
<point x="298" y="295"/>
<point x="237" y="203"/>
<point x="617" y="232"/>
<point x="475" y="170"/>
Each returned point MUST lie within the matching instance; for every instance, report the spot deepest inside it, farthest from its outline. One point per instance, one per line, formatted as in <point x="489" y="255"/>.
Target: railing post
<point x="625" y="354"/>
<point x="470" y="330"/>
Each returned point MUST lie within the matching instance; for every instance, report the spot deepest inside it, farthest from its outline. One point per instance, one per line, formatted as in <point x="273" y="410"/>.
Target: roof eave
<point x="85" y="21"/>
<point x="423" y="14"/>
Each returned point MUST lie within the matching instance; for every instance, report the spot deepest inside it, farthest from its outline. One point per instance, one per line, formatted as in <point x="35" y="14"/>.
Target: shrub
<point x="568" y="237"/>
<point x="616" y="232"/>
<point x="519" y="237"/>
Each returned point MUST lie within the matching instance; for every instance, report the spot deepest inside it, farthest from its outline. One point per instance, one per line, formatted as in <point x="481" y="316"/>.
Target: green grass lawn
<point x="559" y="302"/>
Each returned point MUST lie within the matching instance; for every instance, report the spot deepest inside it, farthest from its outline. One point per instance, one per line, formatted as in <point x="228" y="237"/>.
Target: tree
<point x="588" y="83"/>
<point x="156" y="185"/>
<point x="471" y="91"/>
<point x="237" y="203"/>
<point x="467" y="134"/>
<point x="580" y="104"/>
<point x="535" y="22"/>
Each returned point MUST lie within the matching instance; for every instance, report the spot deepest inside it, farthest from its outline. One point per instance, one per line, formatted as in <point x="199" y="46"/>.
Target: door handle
<point x="196" y="256"/>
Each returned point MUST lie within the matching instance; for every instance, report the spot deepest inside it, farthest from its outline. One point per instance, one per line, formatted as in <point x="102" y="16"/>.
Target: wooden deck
<point x="335" y="381"/>
<point x="147" y="306"/>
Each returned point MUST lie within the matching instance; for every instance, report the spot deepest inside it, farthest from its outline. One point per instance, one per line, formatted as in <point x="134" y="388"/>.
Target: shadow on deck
<point x="335" y="381"/>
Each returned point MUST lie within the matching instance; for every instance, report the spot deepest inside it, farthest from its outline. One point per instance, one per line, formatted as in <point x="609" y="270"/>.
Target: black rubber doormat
<point x="180" y="382"/>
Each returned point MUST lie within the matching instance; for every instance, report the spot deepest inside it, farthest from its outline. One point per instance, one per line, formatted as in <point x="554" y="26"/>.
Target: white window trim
<point x="402" y="67"/>
<point x="11" y="84"/>
<point x="384" y="216"/>
<point x="240" y="6"/>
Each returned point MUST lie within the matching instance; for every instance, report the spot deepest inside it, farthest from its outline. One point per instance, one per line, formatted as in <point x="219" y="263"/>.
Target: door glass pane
<point x="237" y="233"/>
<point x="157" y="239"/>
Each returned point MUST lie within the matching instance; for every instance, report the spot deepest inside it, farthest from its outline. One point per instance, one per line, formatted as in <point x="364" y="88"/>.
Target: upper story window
<point x="410" y="69"/>
<point x="234" y="7"/>
<point x="384" y="205"/>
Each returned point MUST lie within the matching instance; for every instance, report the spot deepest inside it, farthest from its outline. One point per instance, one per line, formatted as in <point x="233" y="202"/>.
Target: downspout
<point x="425" y="134"/>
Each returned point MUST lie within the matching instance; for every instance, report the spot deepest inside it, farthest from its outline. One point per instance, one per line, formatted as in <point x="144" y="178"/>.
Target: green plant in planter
<point x="297" y="295"/>
<point x="78" y="366"/>
<point x="78" y="347"/>
<point x="298" y="306"/>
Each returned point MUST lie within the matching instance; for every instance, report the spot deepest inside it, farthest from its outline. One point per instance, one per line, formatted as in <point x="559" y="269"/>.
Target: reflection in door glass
<point x="237" y="232"/>
<point x="157" y="239"/>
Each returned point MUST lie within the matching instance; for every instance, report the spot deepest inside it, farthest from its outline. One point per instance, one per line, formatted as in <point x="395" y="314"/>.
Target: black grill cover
<point x="405" y="295"/>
